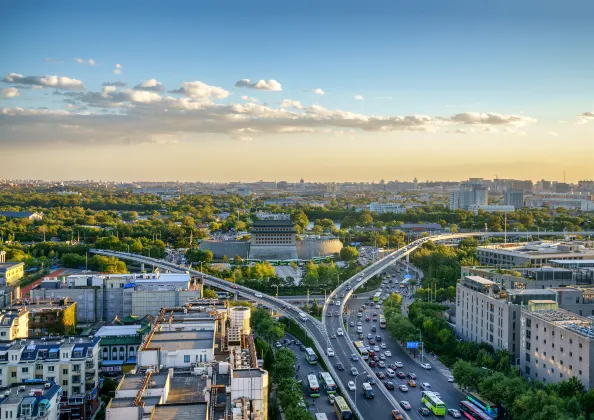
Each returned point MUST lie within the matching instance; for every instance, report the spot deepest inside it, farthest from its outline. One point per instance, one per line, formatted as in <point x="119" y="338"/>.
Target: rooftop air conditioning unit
<point x="48" y="385"/>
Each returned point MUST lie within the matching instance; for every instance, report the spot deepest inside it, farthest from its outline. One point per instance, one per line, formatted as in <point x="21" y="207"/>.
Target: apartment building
<point x="14" y="324"/>
<point x="11" y="273"/>
<point x="71" y="363"/>
<point x="532" y="278"/>
<point x="556" y="344"/>
<point x="514" y="198"/>
<point x="490" y="208"/>
<point x="469" y="194"/>
<point x="532" y="254"/>
<point x="486" y="313"/>
<point x="27" y="401"/>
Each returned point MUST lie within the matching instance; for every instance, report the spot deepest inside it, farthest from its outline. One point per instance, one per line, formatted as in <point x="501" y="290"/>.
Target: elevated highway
<point x="318" y="330"/>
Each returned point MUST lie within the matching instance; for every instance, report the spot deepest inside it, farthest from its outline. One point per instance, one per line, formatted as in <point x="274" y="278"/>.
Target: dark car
<point x="378" y="338"/>
<point x="370" y="380"/>
<point x="393" y="366"/>
<point x="371" y="353"/>
<point x="372" y="363"/>
<point x="372" y="341"/>
<point x="302" y="347"/>
<point x="411" y="375"/>
<point x="389" y="385"/>
<point x="339" y="366"/>
<point x="376" y="359"/>
<point x="401" y="375"/>
<point x="380" y="375"/>
<point x="367" y="319"/>
<point x="423" y="411"/>
<point x="373" y="329"/>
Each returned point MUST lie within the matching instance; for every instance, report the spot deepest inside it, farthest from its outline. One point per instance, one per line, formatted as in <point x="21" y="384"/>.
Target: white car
<point x="359" y="324"/>
<point x="259" y="295"/>
<point x="388" y="353"/>
<point x="450" y="378"/>
<point x="382" y="357"/>
<point x="376" y="349"/>
<point x="352" y="324"/>
<point x="403" y="388"/>
<point x="351" y="385"/>
<point x="399" y="364"/>
<point x="384" y="346"/>
<point x="425" y="386"/>
<point x="330" y="352"/>
<point x="426" y="366"/>
<point x="339" y="331"/>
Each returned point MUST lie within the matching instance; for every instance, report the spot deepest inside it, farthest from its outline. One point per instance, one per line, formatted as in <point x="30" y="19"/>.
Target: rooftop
<point x="567" y="320"/>
<point x="118" y="330"/>
<point x="173" y="341"/>
<point x="248" y="373"/>
<point x="133" y="382"/>
<point x="481" y="280"/>
<point x="186" y="388"/>
<point x="192" y="411"/>
<point x="18" y="392"/>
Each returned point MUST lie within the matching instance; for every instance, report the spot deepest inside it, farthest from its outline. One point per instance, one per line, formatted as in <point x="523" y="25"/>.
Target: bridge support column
<point x="142" y="267"/>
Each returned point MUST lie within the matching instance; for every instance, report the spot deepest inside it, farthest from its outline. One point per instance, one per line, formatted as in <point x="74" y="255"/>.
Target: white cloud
<point x="10" y="92"/>
<point x="585" y="117"/>
<point x="52" y="60"/>
<point x="249" y="99"/>
<point x="118" y="69"/>
<point x="90" y="61"/>
<point x="287" y="103"/>
<point x="201" y="91"/>
<point x="490" y="118"/>
<point x="460" y="131"/>
<point x="553" y="133"/>
<point x="57" y="82"/>
<point x="116" y="84"/>
<point x="319" y="91"/>
<point x="359" y="98"/>
<point x="271" y="84"/>
<point x="151" y="85"/>
<point x="109" y="89"/>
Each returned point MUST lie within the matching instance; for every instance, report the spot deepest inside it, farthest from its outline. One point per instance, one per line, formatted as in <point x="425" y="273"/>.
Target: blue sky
<point x="435" y="58"/>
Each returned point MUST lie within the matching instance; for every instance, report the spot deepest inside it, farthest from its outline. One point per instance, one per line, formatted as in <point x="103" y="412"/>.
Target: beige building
<point x="14" y="324"/>
<point x="11" y="273"/>
<point x="556" y="344"/>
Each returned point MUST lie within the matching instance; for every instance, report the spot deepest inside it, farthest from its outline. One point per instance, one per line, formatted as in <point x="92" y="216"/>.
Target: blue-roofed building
<point x="31" y="215"/>
<point x="71" y="362"/>
<point x="31" y="401"/>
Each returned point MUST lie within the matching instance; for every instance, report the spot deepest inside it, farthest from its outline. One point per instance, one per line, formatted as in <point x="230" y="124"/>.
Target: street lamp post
<point x="357" y="377"/>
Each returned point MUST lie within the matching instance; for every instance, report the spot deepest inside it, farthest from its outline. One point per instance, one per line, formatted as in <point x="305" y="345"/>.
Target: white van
<point x="390" y="373"/>
<point x="360" y="330"/>
<point x="303" y="316"/>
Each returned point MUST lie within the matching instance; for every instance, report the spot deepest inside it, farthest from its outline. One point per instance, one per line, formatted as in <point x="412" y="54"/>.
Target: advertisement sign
<point x="412" y="344"/>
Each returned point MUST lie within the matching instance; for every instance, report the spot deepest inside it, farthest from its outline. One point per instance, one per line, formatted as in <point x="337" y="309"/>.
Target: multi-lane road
<point x="319" y="331"/>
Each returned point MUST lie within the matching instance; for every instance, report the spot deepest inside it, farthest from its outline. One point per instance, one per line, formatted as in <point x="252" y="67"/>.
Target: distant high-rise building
<point x="562" y="187"/>
<point x="415" y="183"/>
<point x="525" y="186"/>
<point x="469" y="194"/>
<point x="514" y="198"/>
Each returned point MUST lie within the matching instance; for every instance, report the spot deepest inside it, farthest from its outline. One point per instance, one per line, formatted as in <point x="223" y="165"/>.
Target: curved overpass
<point x="318" y="330"/>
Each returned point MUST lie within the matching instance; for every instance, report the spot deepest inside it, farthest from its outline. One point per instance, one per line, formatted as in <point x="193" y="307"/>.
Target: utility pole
<point x="505" y="228"/>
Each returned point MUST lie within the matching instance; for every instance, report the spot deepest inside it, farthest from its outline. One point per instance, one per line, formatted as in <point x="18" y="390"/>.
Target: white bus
<point x="314" y="387"/>
<point x="328" y="383"/>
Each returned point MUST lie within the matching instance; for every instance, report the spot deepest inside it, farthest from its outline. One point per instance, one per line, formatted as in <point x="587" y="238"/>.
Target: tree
<point x="349" y="253"/>
<point x="314" y="307"/>
<point x="224" y="259"/>
<point x="268" y="358"/>
<point x="209" y="294"/>
<point x="465" y="374"/>
<point x="454" y="228"/>
<point x="237" y="260"/>
<point x="572" y="387"/>
<point x="128" y="216"/>
<point x="284" y="365"/>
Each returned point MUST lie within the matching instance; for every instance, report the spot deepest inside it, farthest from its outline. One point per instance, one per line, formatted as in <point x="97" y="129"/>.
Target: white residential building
<point x="469" y="194"/>
<point x="490" y="208"/>
<point x="39" y="402"/>
<point x="380" y="208"/>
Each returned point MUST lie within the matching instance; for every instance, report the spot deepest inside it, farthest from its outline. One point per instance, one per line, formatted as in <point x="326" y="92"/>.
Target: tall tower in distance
<point x="415" y="183"/>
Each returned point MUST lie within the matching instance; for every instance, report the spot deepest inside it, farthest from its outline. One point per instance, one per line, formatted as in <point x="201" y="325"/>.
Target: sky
<point x="325" y="91"/>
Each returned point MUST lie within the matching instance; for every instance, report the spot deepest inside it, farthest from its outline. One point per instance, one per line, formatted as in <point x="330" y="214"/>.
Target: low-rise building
<point x="556" y="344"/>
<point x="381" y="208"/>
<point x="532" y="254"/>
<point x="119" y="345"/>
<point x="11" y="273"/>
<point x="490" y="208"/>
<point x="31" y="215"/>
<point x="50" y="317"/>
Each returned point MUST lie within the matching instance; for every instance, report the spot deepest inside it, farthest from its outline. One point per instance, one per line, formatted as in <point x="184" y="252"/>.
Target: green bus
<point x="433" y="403"/>
<point x="377" y="296"/>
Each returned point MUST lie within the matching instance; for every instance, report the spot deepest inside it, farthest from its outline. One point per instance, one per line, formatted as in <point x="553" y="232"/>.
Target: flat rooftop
<point x="129" y="402"/>
<point x="248" y="373"/>
<point x="530" y="292"/>
<point x="133" y="382"/>
<point x="182" y="340"/>
<point x="16" y="397"/>
<point x="117" y="330"/>
<point x="186" y="388"/>
<point x="481" y="280"/>
<point x="192" y="411"/>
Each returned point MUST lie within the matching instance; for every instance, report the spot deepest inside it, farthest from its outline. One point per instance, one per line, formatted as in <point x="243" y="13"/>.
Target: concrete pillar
<point x="142" y="267"/>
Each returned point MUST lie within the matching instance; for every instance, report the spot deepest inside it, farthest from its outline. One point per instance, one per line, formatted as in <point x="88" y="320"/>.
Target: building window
<point x="527" y="357"/>
<point x="13" y="374"/>
<point x="50" y="368"/>
<point x="25" y="370"/>
<point x="186" y="359"/>
<point x="65" y="382"/>
<point x="580" y="372"/>
<point x="580" y="345"/>
<point x="580" y="358"/>
<point x="64" y="371"/>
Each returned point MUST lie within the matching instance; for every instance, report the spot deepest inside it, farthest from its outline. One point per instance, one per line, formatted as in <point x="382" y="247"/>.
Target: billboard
<point x="412" y="344"/>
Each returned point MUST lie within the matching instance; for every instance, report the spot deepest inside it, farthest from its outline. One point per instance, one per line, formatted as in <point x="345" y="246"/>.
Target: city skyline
<point x="277" y="92"/>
